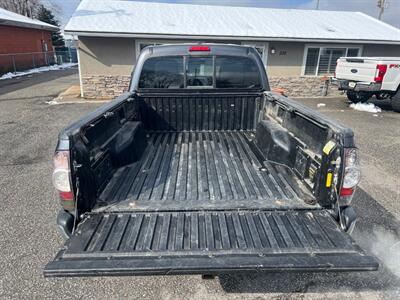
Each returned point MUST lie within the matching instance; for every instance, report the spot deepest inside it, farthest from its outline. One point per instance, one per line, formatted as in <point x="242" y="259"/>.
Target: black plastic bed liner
<point x="211" y="242"/>
<point x="203" y="170"/>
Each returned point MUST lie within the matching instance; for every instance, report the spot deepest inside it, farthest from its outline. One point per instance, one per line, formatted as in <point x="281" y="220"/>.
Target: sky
<point x="65" y="8"/>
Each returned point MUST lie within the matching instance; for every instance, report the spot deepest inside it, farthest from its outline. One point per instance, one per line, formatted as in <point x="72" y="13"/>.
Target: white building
<point x="297" y="46"/>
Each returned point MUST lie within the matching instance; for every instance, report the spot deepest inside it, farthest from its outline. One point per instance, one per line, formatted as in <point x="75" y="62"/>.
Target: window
<point x="352" y="52"/>
<point x="141" y="44"/>
<point x="144" y="45"/>
<point x="162" y="73"/>
<point x="322" y="60"/>
<point x="312" y="61"/>
<point x="327" y="60"/>
<point x="261" y="48"/>
<point x="199" y="72"/>
<point x="236" y="72"/>
<point x="260" y="51"/>
<point x="170" y="72"/>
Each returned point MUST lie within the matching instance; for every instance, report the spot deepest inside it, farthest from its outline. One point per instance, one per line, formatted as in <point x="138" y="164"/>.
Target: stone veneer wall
<point x="104" y="86"/>
<point x="303" y="86"/>
<point x="108" y="86"/>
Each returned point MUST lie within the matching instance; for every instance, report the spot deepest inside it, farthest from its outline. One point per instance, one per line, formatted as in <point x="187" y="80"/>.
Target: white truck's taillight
<point x="62" y="174"/>
<point x="352" y="175"/>
<point x="380" y="73"/>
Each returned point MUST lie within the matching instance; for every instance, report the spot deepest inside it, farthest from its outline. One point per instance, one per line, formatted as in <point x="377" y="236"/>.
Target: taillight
<point x="199" y="48"/>
<point x="346" y="192"/>
<point x="380" y="72"/>
<point x="62" y="178"/>
<point x="352" y="175"/>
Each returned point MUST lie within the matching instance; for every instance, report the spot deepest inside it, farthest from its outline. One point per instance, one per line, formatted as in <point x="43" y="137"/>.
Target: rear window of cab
<point x="178" y="72"/>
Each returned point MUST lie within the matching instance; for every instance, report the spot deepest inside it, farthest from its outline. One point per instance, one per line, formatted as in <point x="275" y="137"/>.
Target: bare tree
<point x="22" y="7"/>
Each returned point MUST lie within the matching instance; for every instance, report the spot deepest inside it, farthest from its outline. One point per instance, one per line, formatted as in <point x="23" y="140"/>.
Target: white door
<point x="262" y="49"/>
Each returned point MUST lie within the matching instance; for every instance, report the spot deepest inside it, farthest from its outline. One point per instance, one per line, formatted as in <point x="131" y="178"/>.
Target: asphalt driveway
<point x="28" y="204"/>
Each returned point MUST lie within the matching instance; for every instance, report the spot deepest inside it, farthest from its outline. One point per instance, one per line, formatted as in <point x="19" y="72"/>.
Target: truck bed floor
<point x="203" y="170"/>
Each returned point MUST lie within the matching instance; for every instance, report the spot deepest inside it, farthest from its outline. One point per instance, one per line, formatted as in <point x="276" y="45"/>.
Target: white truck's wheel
<point x="382" y="95"/>
<point x="356" y="97"/>
<point x="396" y="101"/>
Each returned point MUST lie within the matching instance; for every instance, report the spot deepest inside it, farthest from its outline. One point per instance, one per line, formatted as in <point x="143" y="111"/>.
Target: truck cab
<point x="200" y="169"/>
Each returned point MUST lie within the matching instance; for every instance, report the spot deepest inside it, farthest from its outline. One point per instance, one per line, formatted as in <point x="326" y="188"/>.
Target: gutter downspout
<point x="79" y="66"/>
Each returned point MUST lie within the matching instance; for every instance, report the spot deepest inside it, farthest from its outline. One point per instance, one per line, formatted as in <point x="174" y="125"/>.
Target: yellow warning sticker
<point x="328" y="179"/>
<point x="328" y="147"/>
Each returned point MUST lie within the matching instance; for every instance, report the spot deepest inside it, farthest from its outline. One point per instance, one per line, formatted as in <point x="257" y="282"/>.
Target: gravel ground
<point x="28" y="204"/>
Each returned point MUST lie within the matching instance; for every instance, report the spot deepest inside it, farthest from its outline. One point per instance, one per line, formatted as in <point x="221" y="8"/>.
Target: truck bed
<point x="203" y="170"/>
<point x="201" y="180"/>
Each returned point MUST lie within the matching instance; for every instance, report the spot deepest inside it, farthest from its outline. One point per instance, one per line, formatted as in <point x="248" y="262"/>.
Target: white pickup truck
<point x="363" y="77"/>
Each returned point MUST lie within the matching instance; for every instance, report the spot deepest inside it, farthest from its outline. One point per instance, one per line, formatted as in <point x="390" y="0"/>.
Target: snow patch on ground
<point x="38" y="70"/>
<point x="52" y="102"/>
<point x="368" y="107"/>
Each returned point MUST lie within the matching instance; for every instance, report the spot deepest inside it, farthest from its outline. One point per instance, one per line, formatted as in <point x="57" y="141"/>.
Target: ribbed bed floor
<point x="203" y="170"/>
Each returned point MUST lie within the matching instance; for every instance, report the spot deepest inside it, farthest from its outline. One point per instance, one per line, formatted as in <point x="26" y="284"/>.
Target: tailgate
<point x="210" y="242"/>
<point x="356" y="69"/>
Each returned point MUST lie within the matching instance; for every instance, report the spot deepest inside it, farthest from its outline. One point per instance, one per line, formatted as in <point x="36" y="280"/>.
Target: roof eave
<point x="28" y="25"/>
<point x="241" y="38"/>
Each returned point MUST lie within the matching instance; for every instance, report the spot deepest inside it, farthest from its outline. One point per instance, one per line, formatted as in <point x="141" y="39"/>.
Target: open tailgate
<point x="209" y="242"/>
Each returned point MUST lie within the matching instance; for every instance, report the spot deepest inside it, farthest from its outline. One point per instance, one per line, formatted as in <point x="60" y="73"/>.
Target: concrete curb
<point x="75" y="101"/>
<point x="322" y="97"/>
<point x="73" y="95"/>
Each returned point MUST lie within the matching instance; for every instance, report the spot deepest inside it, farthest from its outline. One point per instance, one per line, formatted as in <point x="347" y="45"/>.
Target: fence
<point x="16" y="62"/>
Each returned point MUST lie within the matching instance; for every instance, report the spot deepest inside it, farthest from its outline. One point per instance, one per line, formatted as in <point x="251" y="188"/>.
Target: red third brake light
<point x="380" y="72"/>
<point x="199" y="48"/>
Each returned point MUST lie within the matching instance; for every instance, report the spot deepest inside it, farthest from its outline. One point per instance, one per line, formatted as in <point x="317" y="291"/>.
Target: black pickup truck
<point x="201" y="169"/>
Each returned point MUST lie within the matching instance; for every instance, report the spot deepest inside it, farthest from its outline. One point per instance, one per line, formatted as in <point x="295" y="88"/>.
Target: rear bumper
<point x="65" y="223"/>
<point x="358" y="86"/>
